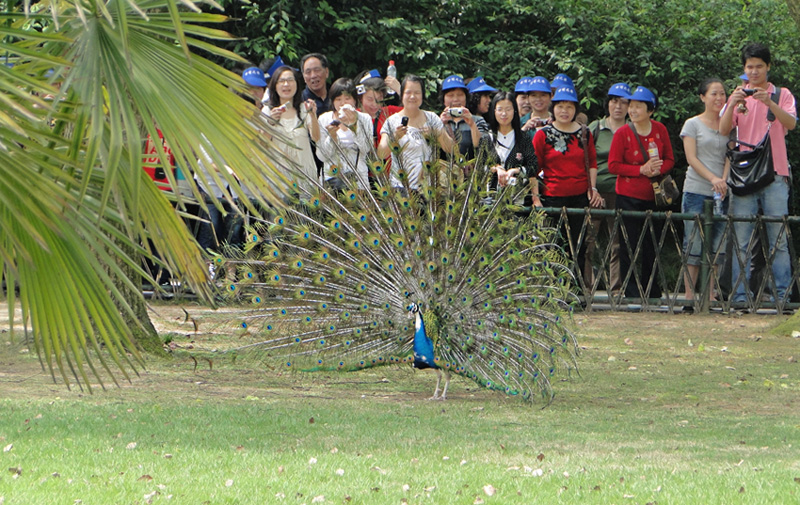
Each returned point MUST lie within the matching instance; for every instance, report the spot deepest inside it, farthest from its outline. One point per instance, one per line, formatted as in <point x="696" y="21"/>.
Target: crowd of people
<point x="536" y="137"/>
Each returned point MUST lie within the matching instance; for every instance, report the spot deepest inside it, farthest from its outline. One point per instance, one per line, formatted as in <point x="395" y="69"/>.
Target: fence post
<point x="705" y="254"/>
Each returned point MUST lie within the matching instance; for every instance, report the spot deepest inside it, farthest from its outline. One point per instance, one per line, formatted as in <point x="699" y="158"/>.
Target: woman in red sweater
<point x="561" y="153"/>
<point x="636" y="162"/>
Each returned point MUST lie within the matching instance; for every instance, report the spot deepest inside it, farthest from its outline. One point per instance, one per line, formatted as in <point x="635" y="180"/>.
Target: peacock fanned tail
<point x="326" y="284"/>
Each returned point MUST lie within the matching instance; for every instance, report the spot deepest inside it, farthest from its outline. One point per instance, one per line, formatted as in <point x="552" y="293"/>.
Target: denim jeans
<point x="774" y="201"/>
<point x="692" y="242"/>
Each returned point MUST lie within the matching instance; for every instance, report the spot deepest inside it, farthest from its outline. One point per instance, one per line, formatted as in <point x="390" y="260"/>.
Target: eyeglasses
<point x="286" y="80"/>
<point x="315" y="70"/>
<point x="504" y="111"/>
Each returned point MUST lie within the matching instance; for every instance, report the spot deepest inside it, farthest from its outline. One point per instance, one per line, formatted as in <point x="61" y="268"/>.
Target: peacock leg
<point x="446" y="383"/>
<point x="438" y="381"/>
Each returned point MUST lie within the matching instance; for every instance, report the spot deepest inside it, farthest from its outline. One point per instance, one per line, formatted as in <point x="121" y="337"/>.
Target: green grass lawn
<point x="666" y="410"/>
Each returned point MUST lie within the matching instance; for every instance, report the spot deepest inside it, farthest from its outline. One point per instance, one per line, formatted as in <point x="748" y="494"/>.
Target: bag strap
<point x="655" y="180"/>
<point x="638" y="139"/>
<point x="585" y="140"/>
<point x="775" y="98"/>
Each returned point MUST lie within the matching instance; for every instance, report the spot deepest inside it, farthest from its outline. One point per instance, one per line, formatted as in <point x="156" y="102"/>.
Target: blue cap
<point x="642" y="94"/>
<point x="371" y="74"/>
<point x="454" y="82"/>
<point x="619" y="89"/>
<point x="275" y="66"/>
<point x="522" y="85"/>
<point x="478" y="85"/>
<point x="744" y="77"/>
<point x="561" y="80"/>
<point x="540" y="84"/>
<point x="565" y="94"/>
<point x="254" y="76"/>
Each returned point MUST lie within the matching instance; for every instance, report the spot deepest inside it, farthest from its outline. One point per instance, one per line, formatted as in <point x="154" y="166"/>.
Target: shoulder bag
<point x="752" y="170"/>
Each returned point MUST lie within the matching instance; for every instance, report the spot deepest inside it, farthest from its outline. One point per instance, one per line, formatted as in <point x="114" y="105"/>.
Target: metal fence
<point x="715" y="284"/>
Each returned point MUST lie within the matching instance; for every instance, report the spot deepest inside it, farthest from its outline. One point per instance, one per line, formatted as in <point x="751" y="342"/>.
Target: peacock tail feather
<point x="325" y="284"/>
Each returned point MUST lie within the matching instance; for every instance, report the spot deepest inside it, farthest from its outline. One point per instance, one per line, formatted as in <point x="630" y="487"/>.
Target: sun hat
<point x="642" y="94"/>
<point x="454" y="82"/>
<point x="565" y="94"/>
<point x="540" y="84"/>
<point x="522" y="85"/>
<point x="478" y="85"/>
<point x="370" y="75"/>
<point x="561" y="80"/>
<point x="254" y="76"/>
<point x="275" y="66"/>
<point x="619" y="89"/>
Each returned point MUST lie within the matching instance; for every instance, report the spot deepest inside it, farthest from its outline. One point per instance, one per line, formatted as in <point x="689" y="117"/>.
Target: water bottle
<point x="391" y="70"/>
<point x="652" y="150"/>
<point x="717" y="203"/>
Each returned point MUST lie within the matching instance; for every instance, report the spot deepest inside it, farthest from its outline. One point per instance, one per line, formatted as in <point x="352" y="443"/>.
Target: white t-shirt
<point x="351" y="152"/>
<point x="414" y="148"/>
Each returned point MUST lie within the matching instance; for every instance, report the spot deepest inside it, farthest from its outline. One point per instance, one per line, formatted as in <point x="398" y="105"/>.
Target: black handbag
<point x="752" y="170"/>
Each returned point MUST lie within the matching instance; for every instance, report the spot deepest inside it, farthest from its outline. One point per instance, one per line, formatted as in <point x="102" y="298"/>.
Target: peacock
<point x="333" y="280"/>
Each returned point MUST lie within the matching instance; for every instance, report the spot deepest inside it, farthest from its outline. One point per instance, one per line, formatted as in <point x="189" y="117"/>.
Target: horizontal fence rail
<point x="715" y="285"/>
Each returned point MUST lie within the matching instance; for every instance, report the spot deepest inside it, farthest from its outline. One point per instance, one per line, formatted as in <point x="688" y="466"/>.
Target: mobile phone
<point x="404" y="121"/>
<point x="335" y="122"/>
<point x="749" y="91"/>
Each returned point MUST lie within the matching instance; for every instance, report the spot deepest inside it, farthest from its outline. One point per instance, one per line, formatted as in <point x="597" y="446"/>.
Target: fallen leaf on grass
<point x="741" y="489"/>
<point x="340" y="471"/>
<point x="628" y="341"/>
<point x="489" y="490"/>
<point x="312" y="461"/>
<point x="406" y="487"/>
<point x="229" y="483"/>
<point x="478" y="501"/>
<point x="318" y="499"/>
<point x="540" y="457"/>
<point x="8" y="447"/>
<point x="130" y="446"/>
<point x="145" y="477"/>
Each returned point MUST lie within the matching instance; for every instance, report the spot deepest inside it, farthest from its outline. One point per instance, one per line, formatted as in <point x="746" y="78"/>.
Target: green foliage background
<point x="669" y="46"/>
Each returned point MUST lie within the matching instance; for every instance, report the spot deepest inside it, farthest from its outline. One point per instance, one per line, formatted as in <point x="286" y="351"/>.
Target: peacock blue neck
<point x="423" y="345"/>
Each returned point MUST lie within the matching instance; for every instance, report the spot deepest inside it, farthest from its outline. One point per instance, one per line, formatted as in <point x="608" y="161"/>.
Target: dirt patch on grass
<point x="639" y="343"/>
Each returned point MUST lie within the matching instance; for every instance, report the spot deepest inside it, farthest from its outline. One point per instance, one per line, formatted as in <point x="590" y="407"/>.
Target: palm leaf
<point x="75" y="205"/>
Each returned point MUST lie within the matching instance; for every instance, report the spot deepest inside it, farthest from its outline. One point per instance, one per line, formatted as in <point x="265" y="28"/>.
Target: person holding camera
<point x="410" y="135"/>
<point x="457" y="119"/>
<point x="539" y="97"/>
<point x="297" y="121"/>
<point x="346" y="143"/>
<point x="758" y="109"/>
